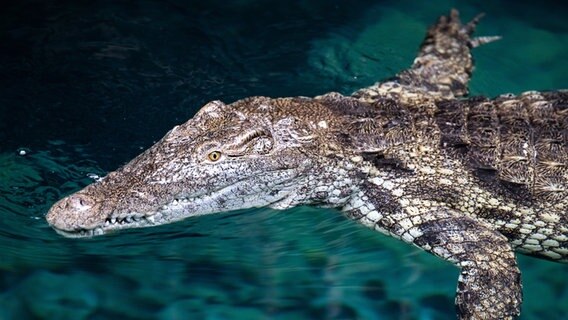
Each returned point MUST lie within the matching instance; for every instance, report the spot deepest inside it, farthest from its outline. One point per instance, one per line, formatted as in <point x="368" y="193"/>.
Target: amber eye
<point x="214" y="155"/>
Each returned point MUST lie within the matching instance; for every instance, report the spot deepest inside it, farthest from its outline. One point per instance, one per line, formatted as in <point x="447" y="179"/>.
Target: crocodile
<point x="470" y="180"/>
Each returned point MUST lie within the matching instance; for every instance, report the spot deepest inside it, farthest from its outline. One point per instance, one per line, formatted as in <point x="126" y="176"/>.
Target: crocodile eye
<point x="214" y="155"/>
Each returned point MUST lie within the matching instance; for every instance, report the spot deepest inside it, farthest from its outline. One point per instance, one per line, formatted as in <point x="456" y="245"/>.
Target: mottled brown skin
<point x="468" y="180"/>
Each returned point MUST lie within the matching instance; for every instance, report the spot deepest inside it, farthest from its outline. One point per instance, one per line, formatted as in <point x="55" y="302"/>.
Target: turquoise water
<point x="87" y="86"/>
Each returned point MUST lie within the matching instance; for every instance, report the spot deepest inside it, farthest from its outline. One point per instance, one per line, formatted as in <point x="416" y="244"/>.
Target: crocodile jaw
<point x="84" y="214"/>
<point x="60" y="217"/>
<point x="118" y="202"/>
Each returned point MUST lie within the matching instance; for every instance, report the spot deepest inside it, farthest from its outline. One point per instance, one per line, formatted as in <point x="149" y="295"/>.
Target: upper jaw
<point x="111" y="224"/>
<point x="105" y="222"/>
<point x="82" y="215"/>
<point x="87" y="213"/>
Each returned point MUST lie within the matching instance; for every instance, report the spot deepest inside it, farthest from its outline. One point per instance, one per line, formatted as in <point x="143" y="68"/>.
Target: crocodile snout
<point x="72" y="212"/>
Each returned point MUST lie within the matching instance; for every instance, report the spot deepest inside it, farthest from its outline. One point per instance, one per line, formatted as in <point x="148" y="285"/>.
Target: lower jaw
<point x="101" y="230"/>
<point x="78" y="234"/>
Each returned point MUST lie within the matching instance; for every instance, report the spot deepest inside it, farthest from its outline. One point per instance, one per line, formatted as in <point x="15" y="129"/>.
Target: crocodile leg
<point x="489" y="285"/>
<point x="443" y="66"/>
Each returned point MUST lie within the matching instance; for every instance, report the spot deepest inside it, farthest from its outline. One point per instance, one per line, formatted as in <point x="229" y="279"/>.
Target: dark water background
<point x="87" y="85"/>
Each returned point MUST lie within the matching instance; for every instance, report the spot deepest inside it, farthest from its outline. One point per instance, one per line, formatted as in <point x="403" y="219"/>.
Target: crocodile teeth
<point x="98" y="231"/>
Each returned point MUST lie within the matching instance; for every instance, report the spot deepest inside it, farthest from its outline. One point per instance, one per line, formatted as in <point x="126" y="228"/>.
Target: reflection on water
<point x="86" y="87"/>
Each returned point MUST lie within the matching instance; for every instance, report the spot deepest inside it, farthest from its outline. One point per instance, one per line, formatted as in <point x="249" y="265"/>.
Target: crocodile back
<point x="502" y="160"/>
<point x="514" y="150"/>
<point x="518" y="143"/>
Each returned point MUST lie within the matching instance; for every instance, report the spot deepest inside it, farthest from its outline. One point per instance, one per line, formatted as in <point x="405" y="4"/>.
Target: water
<point x="86" y="86"/>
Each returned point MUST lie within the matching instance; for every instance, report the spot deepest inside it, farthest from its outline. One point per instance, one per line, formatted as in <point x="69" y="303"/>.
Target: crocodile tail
<point x="443" y="67"/>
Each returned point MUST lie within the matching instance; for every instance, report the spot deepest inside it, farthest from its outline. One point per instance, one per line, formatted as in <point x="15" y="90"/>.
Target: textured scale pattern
<point x="467" y="179"/>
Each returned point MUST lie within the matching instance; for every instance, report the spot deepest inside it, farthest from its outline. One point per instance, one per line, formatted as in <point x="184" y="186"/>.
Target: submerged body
<point x="468" y="180"/>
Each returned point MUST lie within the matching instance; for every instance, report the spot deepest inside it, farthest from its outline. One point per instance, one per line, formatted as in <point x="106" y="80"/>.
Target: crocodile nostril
<point x="63" y="204"/>
<point x="79" y="202"/>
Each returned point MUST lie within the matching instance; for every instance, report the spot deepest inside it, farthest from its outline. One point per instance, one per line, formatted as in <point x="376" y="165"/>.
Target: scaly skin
<point x="468" y="180"/>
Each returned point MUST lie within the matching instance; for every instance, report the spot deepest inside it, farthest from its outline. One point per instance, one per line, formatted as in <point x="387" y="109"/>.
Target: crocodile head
<point x="252" y="153"/>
